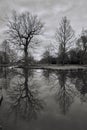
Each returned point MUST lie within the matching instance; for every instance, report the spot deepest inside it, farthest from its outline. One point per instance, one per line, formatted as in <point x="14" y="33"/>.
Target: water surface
<point x="43" y="99"/>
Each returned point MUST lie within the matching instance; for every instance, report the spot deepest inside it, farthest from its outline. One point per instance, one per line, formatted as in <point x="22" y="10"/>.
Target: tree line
<point x="22" y="34"/>
<point x="71" y="50"/>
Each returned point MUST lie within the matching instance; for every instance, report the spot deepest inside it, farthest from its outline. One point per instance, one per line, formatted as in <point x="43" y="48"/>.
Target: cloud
<point x="49" y="11"/>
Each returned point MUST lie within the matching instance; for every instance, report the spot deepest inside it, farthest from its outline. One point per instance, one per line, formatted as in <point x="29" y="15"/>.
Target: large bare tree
<point x="65" y="37"/>
<point x="22" y="29"/>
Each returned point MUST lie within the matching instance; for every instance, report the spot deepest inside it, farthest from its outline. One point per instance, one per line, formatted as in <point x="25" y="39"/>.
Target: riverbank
<point x="59" y="67"/>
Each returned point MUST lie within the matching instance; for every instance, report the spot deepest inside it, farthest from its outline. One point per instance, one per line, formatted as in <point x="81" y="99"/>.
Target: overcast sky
<point x="49" y="11"/>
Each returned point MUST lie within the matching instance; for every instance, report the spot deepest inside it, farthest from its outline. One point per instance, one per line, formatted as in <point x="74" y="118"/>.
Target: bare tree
<point x="22" y="29"/>
<point x="64" y="36"/>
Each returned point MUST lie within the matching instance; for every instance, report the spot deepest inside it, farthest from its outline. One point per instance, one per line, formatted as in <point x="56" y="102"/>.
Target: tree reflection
<point x="65" y="93"/>
<point x="46" y="73"/>
<point x="79" y="78"/>
<point x="71" y="83"/>
<point x="23" y="96"/>
<point x="62" y="88"/>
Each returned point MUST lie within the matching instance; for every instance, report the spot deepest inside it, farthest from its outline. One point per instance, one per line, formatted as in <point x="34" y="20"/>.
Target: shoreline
<point x="55" y="67"/>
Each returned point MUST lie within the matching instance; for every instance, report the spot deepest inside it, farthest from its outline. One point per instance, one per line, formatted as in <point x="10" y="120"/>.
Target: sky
<point x="50" y="12"/>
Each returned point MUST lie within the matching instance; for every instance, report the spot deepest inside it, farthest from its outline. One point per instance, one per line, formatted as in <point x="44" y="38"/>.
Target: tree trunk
<point x="26" y="81"/>
<point x="26" y="56"/>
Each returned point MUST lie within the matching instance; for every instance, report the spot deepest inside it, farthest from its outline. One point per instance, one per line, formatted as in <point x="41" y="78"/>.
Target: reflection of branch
<point x="79" y="78"/>
<point x="64" y="98"/>
<point x="26" y="103"/>
<point x="64" y="91"/>
<point x="23" y="98"/>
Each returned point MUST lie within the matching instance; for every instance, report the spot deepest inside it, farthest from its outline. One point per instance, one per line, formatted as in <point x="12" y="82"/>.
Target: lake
<point x="38" y="99"/>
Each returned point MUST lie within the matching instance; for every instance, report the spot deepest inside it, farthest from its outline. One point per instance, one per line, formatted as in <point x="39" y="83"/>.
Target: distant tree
<point x="65" y="37"/>
<point x="23" y="29"/>
<point x="30" y="59"/>
<point x="82" y="41"/>
<point x="62" y="58"/>
<point x="9" y="53"/>
<point x="46" y="56"/>
<point x="74" y="56"/>
<point x="82" y="46"/>
<point x="6" y="49"/>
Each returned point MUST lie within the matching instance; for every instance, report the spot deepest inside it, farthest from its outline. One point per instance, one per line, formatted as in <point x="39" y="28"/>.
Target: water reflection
<point x="79" y="78"/>
<point x="68" y="84"/>
<point x="65" y="94"/>
<point x="23" y="97"/>
<point x="51" y="96"/>
<point x="22" y="100"/>
<point x="47" y="73"/>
